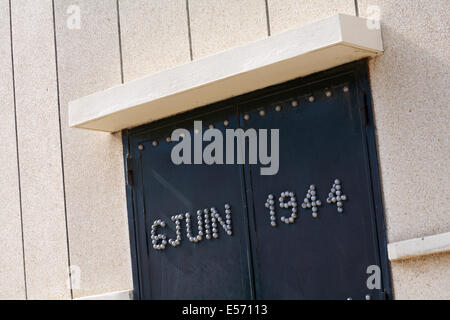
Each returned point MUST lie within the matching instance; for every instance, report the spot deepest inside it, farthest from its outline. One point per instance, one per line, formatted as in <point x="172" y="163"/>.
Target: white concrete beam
<point x="407" y="249"/>
<point x="118" y="295"/>
<point x="288" y="55"/>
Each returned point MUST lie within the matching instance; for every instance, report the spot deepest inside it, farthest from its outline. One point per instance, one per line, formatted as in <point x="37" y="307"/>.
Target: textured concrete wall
<point x="12" y="282"/>
<point x="89" y="61"/>
<point x="287" y="14"/>
<point x="44" y="228"/>
<point x="154" y="36"/>
<point x="222" y="24"/>
<point x="76" y="176"/>
<point x="66" y="175"/>
<point x="410" y="91"/>
<point x="424" y="278"/>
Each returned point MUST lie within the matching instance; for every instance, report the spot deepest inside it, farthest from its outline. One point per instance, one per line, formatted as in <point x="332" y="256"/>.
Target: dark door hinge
<point x="365" y="110"/>
<point x="129" y="177"/>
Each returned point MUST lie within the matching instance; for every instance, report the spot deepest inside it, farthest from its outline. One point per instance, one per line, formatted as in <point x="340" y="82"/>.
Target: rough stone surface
<point x="154" y="36"/>
<point x="44" y="226"/>
<point x="410" y="91"/>
<point x="287" y="14"/>
<point x="12" y="281"/>
<point x="222" y="24"/>
<point x="89" y="61"/>
<point x="423" y="278"/>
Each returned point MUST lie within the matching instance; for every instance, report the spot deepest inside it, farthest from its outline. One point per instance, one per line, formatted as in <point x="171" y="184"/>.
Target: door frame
<point x="360" y="72"/>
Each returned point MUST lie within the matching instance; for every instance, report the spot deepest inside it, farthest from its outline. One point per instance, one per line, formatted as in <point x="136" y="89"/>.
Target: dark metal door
<point x="327" y="179"/>
<point x="217" y="268"/>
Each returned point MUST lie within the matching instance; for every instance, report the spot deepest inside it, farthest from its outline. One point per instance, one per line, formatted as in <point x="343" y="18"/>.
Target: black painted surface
<point x="320" y="141"/>
<point x="209" y="269"/>
<point x="323" y="258"/>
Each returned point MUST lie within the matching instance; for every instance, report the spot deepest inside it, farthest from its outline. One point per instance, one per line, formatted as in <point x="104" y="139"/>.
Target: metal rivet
<point x="311" y="99"/>
<point x="155" y="143"/>
<point x="168" y="139"/>
<point x="226" y="123"/>
<point x="278" y="108"/>
<point x="262" y="113"/>
<point x="294" y="103"/>
<point x="141" y="147"/>
<point x="368" y="297"/>
<point x="246" y="117"/>
<point x="328" y="93"/>
<point x="211" y="126"/>
<point x="345" y="89"/>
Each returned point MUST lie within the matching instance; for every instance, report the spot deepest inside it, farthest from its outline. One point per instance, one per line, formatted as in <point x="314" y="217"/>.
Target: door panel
<point x="321" y="140"/>
<point x="209" y="269"/>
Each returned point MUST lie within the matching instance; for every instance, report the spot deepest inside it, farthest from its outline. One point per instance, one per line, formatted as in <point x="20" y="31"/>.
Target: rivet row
<point x="247" y="117"/>
<point x="294" y="103"/>
<point x="367" y="297"/>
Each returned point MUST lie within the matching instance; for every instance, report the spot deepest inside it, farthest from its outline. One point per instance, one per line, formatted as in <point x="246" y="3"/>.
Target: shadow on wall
<point x="410" y="90"/>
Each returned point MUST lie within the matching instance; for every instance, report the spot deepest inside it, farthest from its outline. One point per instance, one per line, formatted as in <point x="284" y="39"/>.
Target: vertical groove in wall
<point x="189" y="29"/>
<point x="120" y="42"/>
<point x="268" y="18"/>
<point x="356" y="8"/>
<point x="17" y="149"/>
<point x="61" y="149"/>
